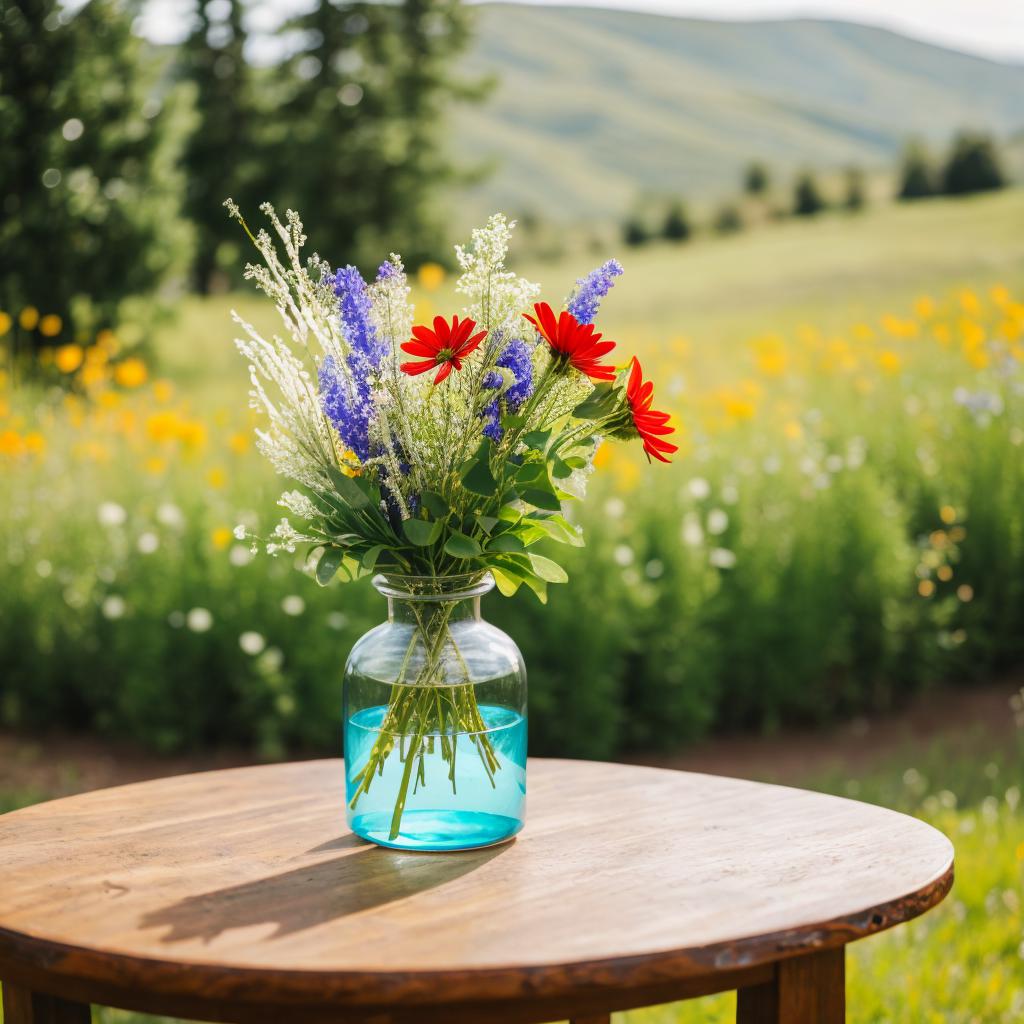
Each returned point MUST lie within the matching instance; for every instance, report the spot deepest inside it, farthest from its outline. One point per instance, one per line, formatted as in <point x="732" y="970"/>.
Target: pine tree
<point x="676" y="227"/>
<point x="917" y="177"/>
<point x="363" y="123"/>
<point x="87" y="190"/>
<point x="807" y="199"/>
<point x="634" y="232"/>
<point x="755" y="179"/>
<point x="221" y="156"/>
<point x="973" y="166"/>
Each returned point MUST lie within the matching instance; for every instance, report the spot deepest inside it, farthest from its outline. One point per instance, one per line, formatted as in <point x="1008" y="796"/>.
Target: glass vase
<point x="435" y="720"/>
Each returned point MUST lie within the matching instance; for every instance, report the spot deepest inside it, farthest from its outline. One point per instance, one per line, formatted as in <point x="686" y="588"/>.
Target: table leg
<point x="808" y="989"/>
<point x="22" y="1006"/>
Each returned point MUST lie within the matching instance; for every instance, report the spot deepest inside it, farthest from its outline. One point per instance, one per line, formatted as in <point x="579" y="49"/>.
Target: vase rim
<point x="457" y="587"/>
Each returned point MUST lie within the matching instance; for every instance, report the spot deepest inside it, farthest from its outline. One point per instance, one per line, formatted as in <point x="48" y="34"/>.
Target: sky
<point x="991" y="28"/>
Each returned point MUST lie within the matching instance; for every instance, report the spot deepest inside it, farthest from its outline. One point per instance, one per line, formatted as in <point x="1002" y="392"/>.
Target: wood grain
<point x="230" y="894"/>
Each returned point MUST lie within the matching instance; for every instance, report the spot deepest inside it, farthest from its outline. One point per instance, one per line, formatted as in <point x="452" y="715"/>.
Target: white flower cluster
<point x="497" y="296"/>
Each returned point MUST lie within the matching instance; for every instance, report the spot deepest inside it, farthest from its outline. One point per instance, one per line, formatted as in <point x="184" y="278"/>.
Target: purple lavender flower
<point x="516" y="357"/>
<point x="590" y="290"/>
<point x="386" y="271"/>
<point x="355" y="307"/>
<point x="346" y="396"/>
<point x="347" y="403"/>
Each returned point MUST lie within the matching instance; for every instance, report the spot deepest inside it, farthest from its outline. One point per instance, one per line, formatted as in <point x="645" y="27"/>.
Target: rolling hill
<point x="593" y="106"/>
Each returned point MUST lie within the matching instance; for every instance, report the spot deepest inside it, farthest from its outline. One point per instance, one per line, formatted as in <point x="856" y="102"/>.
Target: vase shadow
<point x="362" y="879"/>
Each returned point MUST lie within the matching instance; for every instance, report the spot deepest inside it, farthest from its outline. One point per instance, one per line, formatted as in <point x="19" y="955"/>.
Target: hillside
<point x="594" y="105"/>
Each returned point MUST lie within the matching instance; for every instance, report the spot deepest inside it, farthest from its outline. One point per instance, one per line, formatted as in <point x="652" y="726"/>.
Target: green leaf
<point x="548" y="570"/>
<point x="486" y="523"/>
<point x="598" y="403"/>
<point x="509" y="514"/>
<point x="531" y="473"/>
<point x="537" y="439"/>
<point x="506" y="581"/>
<point x="576" y="462"/>
<point x="477" y="479"/>
<point x="506" y="542"/>
<point x="348" y="490"/>
<point x="328" y="565"/>
<point x="559" y="469"/>
<point x="434" y="504"/>
<point x="369" y="560"/>
<point x="558" y="528"/>
<point x="542" y="499"/>
<point x="422" y="533"/>
<point x="459" y="545"/>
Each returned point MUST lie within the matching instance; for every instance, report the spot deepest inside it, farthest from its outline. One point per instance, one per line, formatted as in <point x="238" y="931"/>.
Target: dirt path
<point x="56" y="765"/>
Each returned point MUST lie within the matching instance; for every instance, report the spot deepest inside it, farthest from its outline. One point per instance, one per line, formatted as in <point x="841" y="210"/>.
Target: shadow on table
<point x="365" y="878"/>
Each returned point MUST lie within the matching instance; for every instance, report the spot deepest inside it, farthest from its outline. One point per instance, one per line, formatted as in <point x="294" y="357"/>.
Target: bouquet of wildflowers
<point x="441" y="449"/>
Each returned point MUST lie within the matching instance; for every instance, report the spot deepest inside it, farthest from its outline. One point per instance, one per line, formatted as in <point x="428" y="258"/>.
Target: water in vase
<point x="452" y="800"/>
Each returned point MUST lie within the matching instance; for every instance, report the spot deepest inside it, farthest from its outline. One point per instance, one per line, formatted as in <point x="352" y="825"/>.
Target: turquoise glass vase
<point x="435" y="721"/>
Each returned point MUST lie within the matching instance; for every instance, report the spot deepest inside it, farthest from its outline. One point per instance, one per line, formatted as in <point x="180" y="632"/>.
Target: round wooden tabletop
<point x="202" y="893"/>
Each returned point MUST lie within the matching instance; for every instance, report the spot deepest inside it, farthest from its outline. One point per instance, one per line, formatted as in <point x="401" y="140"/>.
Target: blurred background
<point x="820" y="211"/>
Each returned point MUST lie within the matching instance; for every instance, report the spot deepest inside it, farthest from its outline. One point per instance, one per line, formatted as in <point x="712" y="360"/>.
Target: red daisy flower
<point x="579" y="343"/>
<point x="650" y="424"/>
<point x="445" y="346"/>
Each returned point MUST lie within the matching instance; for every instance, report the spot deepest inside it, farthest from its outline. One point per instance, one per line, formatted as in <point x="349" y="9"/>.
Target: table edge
<point x="100" y="976"/>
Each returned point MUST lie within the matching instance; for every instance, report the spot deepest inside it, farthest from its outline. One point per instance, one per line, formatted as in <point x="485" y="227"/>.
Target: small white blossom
<point x="111" y="514"/>
<point x="199" y="620"/>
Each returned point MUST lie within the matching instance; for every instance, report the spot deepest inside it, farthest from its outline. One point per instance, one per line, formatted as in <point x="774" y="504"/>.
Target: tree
<point x="85" y="169"/>
<point x="807" y="200"/>
<point x="755" y="179"/>
<point x="917" y="176"/>
<point x="973" y="166"/>
<point x="634" y="232"/>
<point x="676" y="227"/>
<point x="856" y="190"/>
<point x="728" y="219"/>
<point x="221" y="156"/>
<point x="362" y="125"/>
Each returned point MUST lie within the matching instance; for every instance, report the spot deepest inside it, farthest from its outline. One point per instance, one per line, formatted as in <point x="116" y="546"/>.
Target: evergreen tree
<point x="856" y="190"/>
<point x="973" y="166"/>
<point x="807" y="199"/>
<point x="917" y="177"/>
<point x="220" y="158"/>
<point x="676" y="227"/>
<point x="755" y="179"/>
<point x="363" y="121"/>
<point x="634" y="232"/>
<point x="85" y="173"/>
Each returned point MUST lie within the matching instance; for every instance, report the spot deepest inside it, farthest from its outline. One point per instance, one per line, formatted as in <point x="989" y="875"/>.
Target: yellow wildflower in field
<point x="863" y="332"/>
<point x="11" y="444"/>
<point x="35" y="443"/>
<point x="155" y="466"/>
<point x="947" y="514"/>
<point x="970" y="303"/>
<point x="130" y="373"/>
<point x="999" y="294"/>
<point x="430" y="276"/>
<point x="221" y="537"/>
<point x="793" y="430"/>
<point x="216" y="477"/>
<point x="926" y="588"/>
<point x="68" y="358"/>
<point x="163" y="391"/>
<point x="238" y="443"/>
<point x="5" y="323"/>
<point x="890" y="361"/>
<point x="942" y="334"/>
<point x="924" y="307"/>
<point x="771" y="355"/>
<point x="28" y="318"/>
<point x="900" y="327"/>
<point x="50" y="325"/>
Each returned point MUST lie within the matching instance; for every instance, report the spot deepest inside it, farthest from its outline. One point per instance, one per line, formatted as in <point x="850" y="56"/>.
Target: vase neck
<point x="432" y="601"/>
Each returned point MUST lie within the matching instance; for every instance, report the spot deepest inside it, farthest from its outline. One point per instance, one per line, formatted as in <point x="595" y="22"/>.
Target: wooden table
<point x="240" y="895"/>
